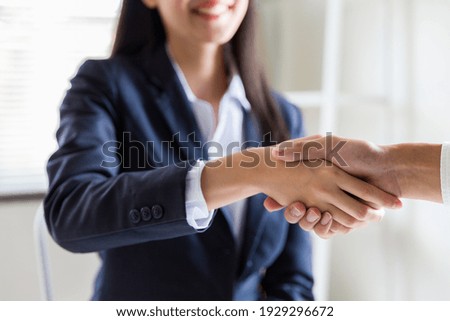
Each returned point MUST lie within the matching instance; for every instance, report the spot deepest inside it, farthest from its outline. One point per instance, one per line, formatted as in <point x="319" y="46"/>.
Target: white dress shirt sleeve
<point x="445" y="173"/>
<point x="197" y="214"/>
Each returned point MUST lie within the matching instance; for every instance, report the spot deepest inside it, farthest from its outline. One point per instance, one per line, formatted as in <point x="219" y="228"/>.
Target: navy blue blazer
<point x="117" y="186"/>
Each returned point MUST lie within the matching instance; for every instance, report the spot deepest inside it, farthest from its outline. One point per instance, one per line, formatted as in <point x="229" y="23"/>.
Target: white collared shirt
<point x="225" y="133"/>
<point x="445" y="173"/>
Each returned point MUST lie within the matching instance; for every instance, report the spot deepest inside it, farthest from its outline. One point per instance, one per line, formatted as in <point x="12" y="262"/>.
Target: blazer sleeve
<point x="290" y="276"/>
<point x="90" y="207"/>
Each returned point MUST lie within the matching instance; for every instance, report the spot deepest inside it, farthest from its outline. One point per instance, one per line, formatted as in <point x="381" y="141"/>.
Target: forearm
<point x="417" y="167"/>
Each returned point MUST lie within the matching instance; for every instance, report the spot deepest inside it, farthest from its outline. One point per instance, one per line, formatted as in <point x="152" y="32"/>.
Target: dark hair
<point x="139" y="26"/>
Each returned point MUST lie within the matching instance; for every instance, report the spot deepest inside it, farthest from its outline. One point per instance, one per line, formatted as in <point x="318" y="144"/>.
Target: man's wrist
<point x="416" y="167"/>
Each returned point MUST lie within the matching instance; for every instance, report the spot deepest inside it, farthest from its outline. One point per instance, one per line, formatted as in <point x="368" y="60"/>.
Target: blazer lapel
<point x="173" y="103"/>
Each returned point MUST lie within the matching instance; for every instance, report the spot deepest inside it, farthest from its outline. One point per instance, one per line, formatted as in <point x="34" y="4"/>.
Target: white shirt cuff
<point x="445" y="173"/>
<point x="197" y="214"/>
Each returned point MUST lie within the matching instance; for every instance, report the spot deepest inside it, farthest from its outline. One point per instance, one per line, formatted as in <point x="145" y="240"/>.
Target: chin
<point x="218" y="36"/>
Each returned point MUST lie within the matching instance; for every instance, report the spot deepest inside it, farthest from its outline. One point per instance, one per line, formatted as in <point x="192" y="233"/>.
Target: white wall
<point x="406" y="256"/>
<point x="396" y="50"/>
<point x="72" y="273"/>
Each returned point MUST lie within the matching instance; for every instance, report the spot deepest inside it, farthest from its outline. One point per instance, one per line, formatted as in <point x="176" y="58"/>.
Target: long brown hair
<point x="139" y="26"/>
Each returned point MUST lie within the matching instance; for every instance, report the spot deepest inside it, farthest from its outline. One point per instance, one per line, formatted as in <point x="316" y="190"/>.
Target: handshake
<point x="347" y="183"/>
<point x="329" y="184"/>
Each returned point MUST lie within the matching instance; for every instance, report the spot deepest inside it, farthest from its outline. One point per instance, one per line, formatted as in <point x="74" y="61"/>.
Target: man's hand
<point x="359" y="158"/>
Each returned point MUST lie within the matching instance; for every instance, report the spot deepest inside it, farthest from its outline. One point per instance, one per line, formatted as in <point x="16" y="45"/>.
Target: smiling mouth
<point x="212" y="10"/>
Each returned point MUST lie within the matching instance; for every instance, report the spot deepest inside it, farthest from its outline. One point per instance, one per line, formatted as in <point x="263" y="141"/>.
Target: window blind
<point x="42" y="43"/>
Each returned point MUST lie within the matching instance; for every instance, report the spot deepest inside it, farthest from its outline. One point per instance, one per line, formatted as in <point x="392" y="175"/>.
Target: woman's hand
<point x="308" y="219"/>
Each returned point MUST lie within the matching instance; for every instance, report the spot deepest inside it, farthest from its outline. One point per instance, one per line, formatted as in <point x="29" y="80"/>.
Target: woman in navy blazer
<point x="128" y="139"/>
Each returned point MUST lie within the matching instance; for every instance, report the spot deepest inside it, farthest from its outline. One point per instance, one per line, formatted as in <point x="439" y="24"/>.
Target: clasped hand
<point x="345" y="184"/>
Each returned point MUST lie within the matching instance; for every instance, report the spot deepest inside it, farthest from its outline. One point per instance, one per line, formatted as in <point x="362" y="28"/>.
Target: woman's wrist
<point x="263" y="169"/>
<point x="235" y="177"/>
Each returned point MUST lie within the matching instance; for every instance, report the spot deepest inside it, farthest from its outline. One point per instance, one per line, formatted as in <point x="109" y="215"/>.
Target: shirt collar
<point x="235" y="88"/>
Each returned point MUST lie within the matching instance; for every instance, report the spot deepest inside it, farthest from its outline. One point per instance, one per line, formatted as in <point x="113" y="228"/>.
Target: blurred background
<point x="370" y="69"/>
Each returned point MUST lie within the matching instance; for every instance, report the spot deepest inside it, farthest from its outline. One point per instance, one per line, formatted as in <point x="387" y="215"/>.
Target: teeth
<point x="217" y="10"/>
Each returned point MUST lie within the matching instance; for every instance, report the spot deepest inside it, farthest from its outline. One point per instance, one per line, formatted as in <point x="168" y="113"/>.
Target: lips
<point x="216" y="10"/>
<point x="213" y="8"/>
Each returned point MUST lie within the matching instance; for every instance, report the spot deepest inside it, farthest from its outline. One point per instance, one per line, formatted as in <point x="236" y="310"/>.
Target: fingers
<point x="338" y="228"/>
<point x="323" y="227"/>
<point x="349" y="221"/>
<point x="311" y="147"/>
<point x="369" y="193"/>
<point x="271" y="205"/>
<point x="351" y="212"/>
<point x="311" y="218"/>
<point x="294" y="212"/>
